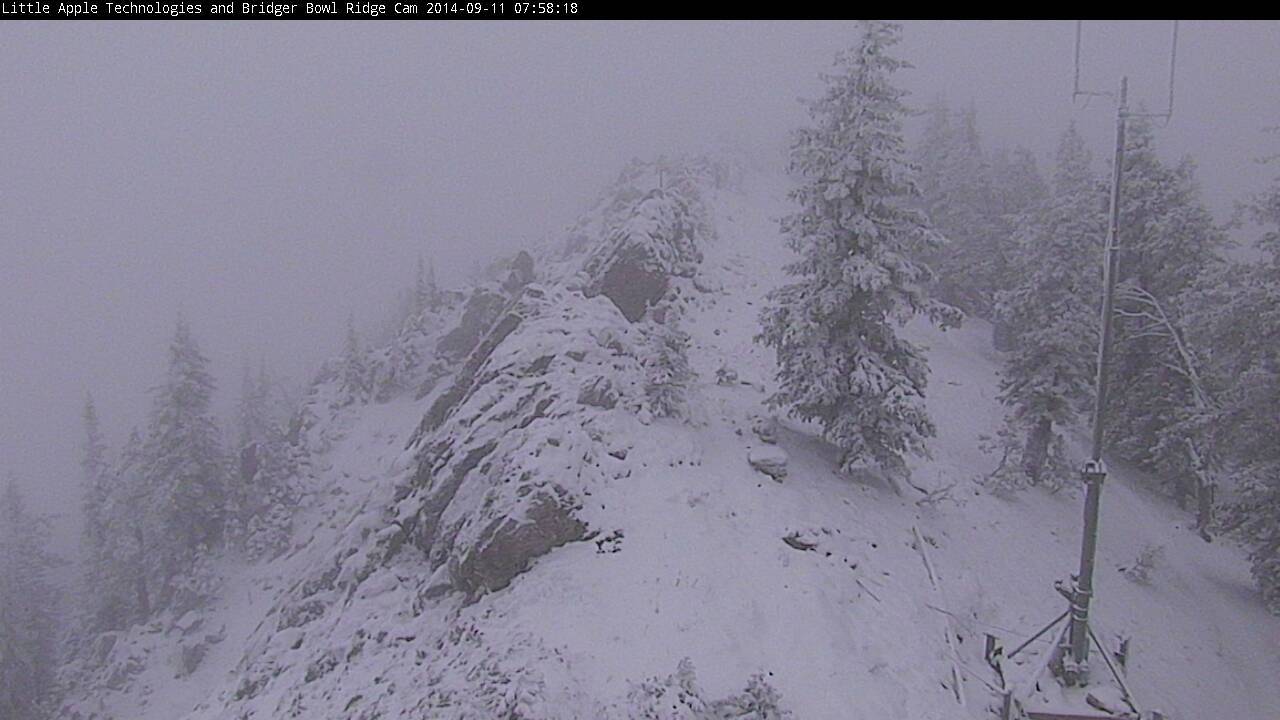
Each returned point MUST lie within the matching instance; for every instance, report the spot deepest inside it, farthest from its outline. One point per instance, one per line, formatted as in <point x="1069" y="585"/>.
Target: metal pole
<point x="1110" y="266"/>
<point x="1095" y="471"/>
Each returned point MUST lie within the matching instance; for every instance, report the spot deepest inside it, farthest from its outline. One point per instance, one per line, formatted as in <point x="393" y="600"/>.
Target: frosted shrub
<point x="678" y="697"/>
<point x="1140" y="570"/>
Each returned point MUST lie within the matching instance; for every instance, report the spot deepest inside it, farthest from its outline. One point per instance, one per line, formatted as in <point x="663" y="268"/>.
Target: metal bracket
<point x="1093" y="471"/>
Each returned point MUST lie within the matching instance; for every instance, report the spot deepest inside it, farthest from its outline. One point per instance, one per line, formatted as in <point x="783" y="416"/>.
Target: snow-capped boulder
<point x="657" y="242"/>
<point x="765" y="427"/>
<point x="770" y="460"/>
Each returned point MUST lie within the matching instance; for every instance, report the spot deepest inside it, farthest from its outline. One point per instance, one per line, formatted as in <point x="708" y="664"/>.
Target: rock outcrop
<point x="770" y="460"/>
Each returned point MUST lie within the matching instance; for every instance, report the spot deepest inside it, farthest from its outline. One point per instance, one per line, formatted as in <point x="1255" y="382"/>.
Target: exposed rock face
<point x="190" y="655"/>
<point x="507" y="450"/>
<point x="635" y="266"/>
<point x="507" y="545"/>
<point x="102" y="647"/>
<point x="483" y="308"/>
<point x="770" y="460"/>
<point x="633" y="281"/>
<point x="598" y="392"/>
<point x="521" y="273"/>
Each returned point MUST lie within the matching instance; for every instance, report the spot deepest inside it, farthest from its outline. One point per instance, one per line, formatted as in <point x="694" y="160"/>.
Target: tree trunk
<point x="1036" y="450"/>
<point x="1002" y="336"/>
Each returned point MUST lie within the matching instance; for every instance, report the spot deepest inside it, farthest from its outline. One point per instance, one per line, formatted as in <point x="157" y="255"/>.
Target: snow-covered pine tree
<point x="253" y="410"/>
<point x="1017" y="187"/>
<point x="426" y="293"/>
<point x="1016" y="184"/>
<point x="253" y="423"/>
<point x="972" y="265"/>
<point x="834" y="329"/>
<point x="129" y="592"/>
<point x="931" y="155"/>
<point x="1052" y="317"/>
<point x="355" y="369"/>
<point x="1239" y="319"/>
<point x="960" y="196"/>
<point x="262" y="490"/>
<point x="28" y="603"/>
<point x="1169" y="243"/>
<point x="95" y="485"/>
<point x="395" y="369"/>
<point x="272" y="497"/>
<point x="183" y="468"/>
<point x="666" y="363"/>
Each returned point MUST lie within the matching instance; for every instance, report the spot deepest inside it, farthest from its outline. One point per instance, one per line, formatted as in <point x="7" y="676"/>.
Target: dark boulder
<point x="483" y="308"/>
<point x="509" y="544"/>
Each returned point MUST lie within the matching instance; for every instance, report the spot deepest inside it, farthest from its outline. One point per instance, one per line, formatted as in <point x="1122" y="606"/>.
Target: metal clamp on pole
<point x="1094" y="471"/>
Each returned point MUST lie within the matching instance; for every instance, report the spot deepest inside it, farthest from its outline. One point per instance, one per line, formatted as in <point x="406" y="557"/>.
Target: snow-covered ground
<point x="814" y="581"/>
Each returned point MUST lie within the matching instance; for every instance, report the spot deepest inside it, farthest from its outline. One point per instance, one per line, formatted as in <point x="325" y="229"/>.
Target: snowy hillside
<point x="531" y="539"/>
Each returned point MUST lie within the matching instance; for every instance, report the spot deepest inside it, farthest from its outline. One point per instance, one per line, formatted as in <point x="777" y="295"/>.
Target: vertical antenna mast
<point x="1079" y="592"/>
<point x="1069" y="657"/>
<point x="1095" y="470"/>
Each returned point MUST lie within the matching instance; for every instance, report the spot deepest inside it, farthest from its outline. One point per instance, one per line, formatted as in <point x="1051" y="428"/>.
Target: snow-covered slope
<point x="545" y="552"/>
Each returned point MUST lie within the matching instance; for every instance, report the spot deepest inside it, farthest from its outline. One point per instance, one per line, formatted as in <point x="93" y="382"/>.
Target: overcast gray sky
<point x="270" y="178"/>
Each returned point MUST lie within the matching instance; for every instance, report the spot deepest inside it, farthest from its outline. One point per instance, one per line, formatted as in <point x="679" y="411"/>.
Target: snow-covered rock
<point x="770" y="460"/>
<point x="189" y="622"/>
<point x="705" y="283"/>
<point x="765" y="427"/>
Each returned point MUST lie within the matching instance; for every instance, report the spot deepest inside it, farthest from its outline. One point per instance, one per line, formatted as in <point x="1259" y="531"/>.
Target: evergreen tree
<point x="960" y="201"/>
<point x="355" y="371"/>
<point x="126" y="592"/>
<point x="931" y="156"/>
<point x="1169" y="242"/>
<point x="261" y="491"/>
<point x="1017" y="186"/>
<point x="1052" y="316"/>
<point x="272" y="495"/>
<point x="184" y="467"/>
<point x="666" y="363"/>
<point x="253" y="411"/>
<point x="426" y="293"/>
<point x="840" y="359"/>
<point x="253" y="423"/>
<point x="28" y="602"/>
<point x="95" y="485"/>
<point x="1238" y="319"/>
